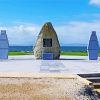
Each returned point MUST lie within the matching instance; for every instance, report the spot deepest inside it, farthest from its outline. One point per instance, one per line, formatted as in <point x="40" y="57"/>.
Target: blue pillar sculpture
<point x="4" y="45"/>
<point x="93" y="47"/>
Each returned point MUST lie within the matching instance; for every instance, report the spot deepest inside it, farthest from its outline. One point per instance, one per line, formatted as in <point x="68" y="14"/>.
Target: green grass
<point x="74" y="53"/>
<point x="20" y="53"/>
<point x="62" y="53"/>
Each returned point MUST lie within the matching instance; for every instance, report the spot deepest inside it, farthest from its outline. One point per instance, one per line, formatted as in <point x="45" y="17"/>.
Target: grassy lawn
<point x="62" y="53"/>
<point x="74" y="53"/>
<point x="20" y="53"/>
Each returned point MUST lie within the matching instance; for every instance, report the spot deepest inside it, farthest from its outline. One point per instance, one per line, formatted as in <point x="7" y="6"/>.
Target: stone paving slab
<point x="67" y="64"/>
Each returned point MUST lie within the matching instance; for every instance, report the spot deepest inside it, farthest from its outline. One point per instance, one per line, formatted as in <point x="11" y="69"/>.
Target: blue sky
<point x="73" y="20"/>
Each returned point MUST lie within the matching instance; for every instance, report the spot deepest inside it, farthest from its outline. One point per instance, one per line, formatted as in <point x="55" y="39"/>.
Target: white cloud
<point x="21" y="34"/>
<point x="77" y="32"/>
<point x="95" y="2"/>
<point x="73" y="32"/>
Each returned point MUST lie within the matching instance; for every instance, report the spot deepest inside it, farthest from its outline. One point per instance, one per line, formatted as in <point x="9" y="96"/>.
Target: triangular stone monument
<point x="47" y="45"/>
<point x="93" y="47"/>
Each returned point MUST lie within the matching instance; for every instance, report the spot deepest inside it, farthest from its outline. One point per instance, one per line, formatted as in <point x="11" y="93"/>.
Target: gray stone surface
<point x="52" y="66"/>
<point x="70" y="65"/>
<point x="47" y="32"/>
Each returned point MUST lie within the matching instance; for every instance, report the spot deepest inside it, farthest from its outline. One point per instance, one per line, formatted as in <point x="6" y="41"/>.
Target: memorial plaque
<point x="47" y="56"/>
<point x="47" y="42"/>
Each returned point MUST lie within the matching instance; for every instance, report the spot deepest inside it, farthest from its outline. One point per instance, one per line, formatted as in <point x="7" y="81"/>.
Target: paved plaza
<point x="66" y="64"/>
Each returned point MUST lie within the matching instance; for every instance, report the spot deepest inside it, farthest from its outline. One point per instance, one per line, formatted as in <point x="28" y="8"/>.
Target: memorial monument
<point x="47" y="46"/>
<point x="4" y="45"/>
<point x="93" y="47"/>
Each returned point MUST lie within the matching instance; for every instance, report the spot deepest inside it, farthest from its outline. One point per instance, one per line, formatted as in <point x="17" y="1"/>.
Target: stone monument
<point x="47" y="46"/>
<point x="4" y="45"/>
<point x="93" y="47"/>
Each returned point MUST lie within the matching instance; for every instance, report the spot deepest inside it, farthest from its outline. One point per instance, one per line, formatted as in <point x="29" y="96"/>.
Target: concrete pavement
<point x="67" y="64"/>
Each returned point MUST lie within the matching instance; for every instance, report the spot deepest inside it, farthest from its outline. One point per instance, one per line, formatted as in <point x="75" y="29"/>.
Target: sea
<point x="63" y="48"/>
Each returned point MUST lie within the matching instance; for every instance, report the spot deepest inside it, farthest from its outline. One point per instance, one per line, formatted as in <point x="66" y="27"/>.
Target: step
<point x="96" y="85"/>
<point x="98" y="90"/>
<point x="90" y="75"/>
<point x="93" y="79"/>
